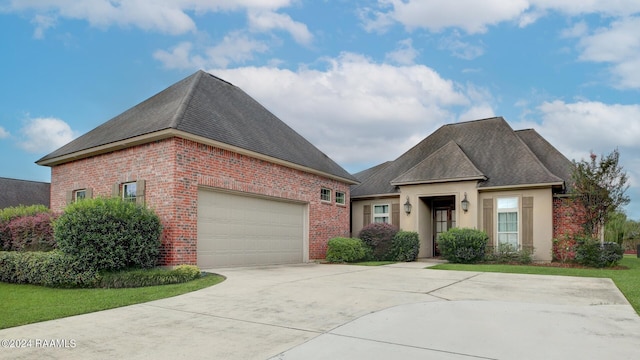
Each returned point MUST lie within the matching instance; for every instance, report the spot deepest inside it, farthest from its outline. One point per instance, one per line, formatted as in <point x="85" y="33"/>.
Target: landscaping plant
<point x="378" y="236"/>
<point x="404" y="246"/>
<point x="462" y="245"/>
<point x="341" y="249"/>
<point x="109" y="234"/>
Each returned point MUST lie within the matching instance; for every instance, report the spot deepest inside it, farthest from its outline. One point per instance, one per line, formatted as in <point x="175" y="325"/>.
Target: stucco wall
<point x="357" y="217"/>
<point x="174" y="169"/>
<point x="542" y="217"/>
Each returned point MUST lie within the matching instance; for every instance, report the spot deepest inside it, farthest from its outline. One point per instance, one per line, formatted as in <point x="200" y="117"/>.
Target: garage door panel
<point x="238" y="230"/>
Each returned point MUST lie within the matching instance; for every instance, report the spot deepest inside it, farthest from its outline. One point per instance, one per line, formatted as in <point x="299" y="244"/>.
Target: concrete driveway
<point x="315" y="311"/>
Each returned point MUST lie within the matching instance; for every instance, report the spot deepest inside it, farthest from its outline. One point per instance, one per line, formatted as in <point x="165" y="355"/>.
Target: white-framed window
<point x="79" y="195"/>
<point x="129" y="191"/>
<point x="508" y="221"/>
<point x="325" y="195"/>
<point x="381" y="213"/>
<point x="340" y="198"/>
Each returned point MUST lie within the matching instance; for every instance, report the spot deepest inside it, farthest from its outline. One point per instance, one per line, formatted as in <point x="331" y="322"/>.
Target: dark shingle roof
<point x="489" y="145"/>
<point x="14" y="192"/>
<point x="207" y="106"/>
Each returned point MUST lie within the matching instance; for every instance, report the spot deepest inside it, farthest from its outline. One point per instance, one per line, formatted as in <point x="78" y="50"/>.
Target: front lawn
<point x="25" y="304"/>
<point x="627" y="280"/>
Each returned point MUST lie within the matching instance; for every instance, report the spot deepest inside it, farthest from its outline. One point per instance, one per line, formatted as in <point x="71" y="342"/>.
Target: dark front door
<point x="444" y="218"/>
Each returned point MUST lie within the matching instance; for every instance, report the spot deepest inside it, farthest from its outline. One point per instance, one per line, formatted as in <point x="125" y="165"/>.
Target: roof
<point x="16" y="192"/>
<point x="211" y="108"/>
<point x="487" y="150"/>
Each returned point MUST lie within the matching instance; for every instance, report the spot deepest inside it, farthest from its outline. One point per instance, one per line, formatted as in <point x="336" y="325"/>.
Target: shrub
<point x="109" y="234"/>
<point x="378" y="236"/>
<point x="404" y="246"/>
<point x="590" y="252"/>
<point x="342" y="249"/>
<point x="52" y="268"/>
<point x="32" y="233"/>
<point x="564" y="249"/>
<point x="460" y="245"/>
<point x="10" y="213"/>
<point x="507" y="253"/>
<point x="153" y="277"/>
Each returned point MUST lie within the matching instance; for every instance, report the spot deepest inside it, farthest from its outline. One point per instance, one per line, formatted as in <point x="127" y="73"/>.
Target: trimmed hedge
<point x="379" y="237"/>
<point x="590" y="252"/>
<point x="153" y="277"/>
<point x="342" y="249"/>
<point x="11" y="213"/>
<point x="461" y="245"/>
<point x="52" y="268"/>
<point x="109" y="234"/>
<point x="404" y="246"/>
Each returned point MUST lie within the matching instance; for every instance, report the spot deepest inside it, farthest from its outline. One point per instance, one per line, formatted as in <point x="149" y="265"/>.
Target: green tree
<point x="599" y="186"/>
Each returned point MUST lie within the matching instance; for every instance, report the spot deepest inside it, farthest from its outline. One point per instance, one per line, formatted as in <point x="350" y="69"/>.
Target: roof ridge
<point x="535" y="157"/>
<point x="186" y="100"/>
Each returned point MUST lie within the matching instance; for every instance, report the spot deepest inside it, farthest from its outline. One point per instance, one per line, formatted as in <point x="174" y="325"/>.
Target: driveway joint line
<point x="453" y="283"/>
<point x="412" y="346"/>
<point x="235" y="319"/>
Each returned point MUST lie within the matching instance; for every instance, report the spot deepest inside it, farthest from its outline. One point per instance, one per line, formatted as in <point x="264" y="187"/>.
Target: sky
<point x="363" y="80"/>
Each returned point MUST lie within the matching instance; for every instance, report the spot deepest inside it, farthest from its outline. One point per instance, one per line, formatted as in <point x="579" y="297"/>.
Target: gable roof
<point x="488" y="150"/>
<point x="437" y="168"/>
<point x="23" y="192"/>
<point x="206" y="107"/>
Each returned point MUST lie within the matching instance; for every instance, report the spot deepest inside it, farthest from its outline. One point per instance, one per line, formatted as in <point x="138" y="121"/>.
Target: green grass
<point x="25" y="304"/>
<point x="627" y="280"/>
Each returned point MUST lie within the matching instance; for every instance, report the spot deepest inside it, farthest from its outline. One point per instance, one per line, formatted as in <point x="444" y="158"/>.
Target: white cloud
<point x="270" y="20"/>
<point x="234" y="48"/>
<point x="436" y="15"/>
<point x="405" y="54"/>
<point x="357" y="111"/>
<point x="477" y="16"/>
<point x="4" y="133"/>
<point x="43" y="23"/>
<point x="171" y="17"/>
<point x="459" y="48"/>
<point x="618" y="45"/>
<point x="45" y="134"/>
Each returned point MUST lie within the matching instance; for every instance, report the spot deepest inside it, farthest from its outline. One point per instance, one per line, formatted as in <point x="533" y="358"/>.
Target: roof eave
<point x="418" y="182"/>
<point x="374" y="196"/>
<point x="169" y="133"/>
<point x="521" y="186"/>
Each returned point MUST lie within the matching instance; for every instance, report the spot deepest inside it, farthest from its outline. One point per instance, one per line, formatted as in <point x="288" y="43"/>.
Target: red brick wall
<point x="175" y="168"/>
<point x="567" y="218"/>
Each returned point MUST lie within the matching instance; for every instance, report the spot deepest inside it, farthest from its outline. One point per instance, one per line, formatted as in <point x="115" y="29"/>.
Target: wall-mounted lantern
<point x="407" y="206"/>
<point x="465" y="203"/>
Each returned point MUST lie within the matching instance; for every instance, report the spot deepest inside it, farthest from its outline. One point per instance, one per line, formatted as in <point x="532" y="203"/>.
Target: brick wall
<point x="174" y="169"/>
<point x="567" y="218"/>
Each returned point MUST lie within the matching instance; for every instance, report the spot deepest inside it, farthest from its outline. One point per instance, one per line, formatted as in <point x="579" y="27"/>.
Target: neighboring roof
<point x="481" y="149"/>
<point x="14" y="192"/>
<point x="365" y="174"/>
<point x="208" y="107"/>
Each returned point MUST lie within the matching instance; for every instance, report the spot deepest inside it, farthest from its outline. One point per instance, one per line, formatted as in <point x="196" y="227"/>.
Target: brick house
<point x="477" y="174"/>
<point x="232" y="184"/>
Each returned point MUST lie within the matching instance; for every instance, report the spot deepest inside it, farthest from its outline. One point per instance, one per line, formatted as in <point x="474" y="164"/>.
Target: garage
<point x="236" y="229"/>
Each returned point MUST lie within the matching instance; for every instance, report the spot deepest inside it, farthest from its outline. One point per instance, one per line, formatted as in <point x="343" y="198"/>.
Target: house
<point x="14" y="192"/>
<point x="232" y="183"/>
<point x="478" y="174"/>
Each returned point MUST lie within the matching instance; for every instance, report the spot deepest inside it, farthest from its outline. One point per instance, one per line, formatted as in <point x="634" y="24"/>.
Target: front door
<point x="444" y="218"/>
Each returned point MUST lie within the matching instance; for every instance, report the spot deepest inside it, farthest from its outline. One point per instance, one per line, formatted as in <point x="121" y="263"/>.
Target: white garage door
<point x="239" y="230"/>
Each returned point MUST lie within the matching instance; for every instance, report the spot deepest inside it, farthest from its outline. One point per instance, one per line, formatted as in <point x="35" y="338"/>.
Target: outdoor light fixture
<point x="464" y="203"/>
<point x="407" y="206"/>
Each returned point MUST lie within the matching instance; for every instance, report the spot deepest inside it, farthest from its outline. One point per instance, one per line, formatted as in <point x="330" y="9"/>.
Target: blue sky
<point x="362" y="80"/>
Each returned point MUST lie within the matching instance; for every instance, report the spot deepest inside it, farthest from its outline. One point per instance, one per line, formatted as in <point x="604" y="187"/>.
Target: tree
<point x="599" y="186"/>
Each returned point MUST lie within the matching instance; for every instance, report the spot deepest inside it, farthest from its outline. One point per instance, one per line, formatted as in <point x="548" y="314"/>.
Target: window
<point x="129" y="191"/>
<point x="381" y="214"/>
<point x="325" y="194"/>
<point x="508" y="221"/>
<point x="79" y="195"/>
<point x="340" y="198"/>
